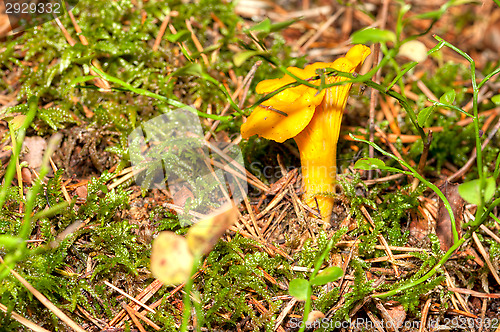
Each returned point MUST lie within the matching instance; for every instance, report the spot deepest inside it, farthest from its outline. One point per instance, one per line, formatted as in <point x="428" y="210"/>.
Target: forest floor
<point x="78" y="217"/>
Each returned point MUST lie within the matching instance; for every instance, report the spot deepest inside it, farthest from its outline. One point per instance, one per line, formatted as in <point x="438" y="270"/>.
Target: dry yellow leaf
<point x="172" y="255"/>
<point x="171" y="259"/>
<point x="203" y="235"/>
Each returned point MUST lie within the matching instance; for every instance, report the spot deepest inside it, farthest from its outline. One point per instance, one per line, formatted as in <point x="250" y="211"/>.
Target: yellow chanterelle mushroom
<point x="312" y="119"/>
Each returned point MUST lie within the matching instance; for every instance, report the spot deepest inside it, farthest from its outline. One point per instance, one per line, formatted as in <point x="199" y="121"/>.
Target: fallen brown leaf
<point x="34" y="147"/>
<point x="181" y="196"/>
<point x="443" y="221"/>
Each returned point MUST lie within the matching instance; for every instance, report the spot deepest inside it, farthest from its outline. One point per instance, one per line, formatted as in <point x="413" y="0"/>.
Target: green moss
<point x="395" y="210"/>
<point x="232" y="270"/>
<point x="361" y="288"/>
<point x="109" y="241"/>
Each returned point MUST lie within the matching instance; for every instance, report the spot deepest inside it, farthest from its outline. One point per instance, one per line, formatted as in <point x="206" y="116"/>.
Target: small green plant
<point x="480" y="192"/>
<point x="301" y="288"/>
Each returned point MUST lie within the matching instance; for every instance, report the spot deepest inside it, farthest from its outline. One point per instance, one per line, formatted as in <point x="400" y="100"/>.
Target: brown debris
<point x="443" y="221"/>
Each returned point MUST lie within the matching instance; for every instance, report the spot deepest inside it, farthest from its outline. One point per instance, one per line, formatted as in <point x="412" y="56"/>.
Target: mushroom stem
<point x="318" y="155"/>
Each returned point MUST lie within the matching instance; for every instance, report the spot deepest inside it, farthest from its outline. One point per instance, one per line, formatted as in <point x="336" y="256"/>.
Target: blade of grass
<point x="475" y="93"/>
<point x="37" y="187"/>
<point x="421" y="178"/>
<point x="474" y="226"/>
<point x="11" y="168"/>
<point x="29" y="324"/>
<point x="153" y="95"/>
<point x="61" y="315"/>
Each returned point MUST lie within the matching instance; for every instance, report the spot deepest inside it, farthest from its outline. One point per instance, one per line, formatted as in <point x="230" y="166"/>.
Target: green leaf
<point x="448" y="97"/>
<point x="436" y="48"/>
<point x="369" y="163"/>
<point x="103" y="188"/>
<point x="179" y="36"/>
<point x="434" y="15"/>
<point x="424" y="114"/>
<point x="404" y="69"/>
<point x="470" y="191"/>
<point x="281" y="25"/>
<point x="264" y="26"/>
<point x="373" y="35"/>
<point x="496" y="99"/>
<point x="329" y="274"/>
<point x="299" y="288"/>
<point x="240" y="58"/>
<point x="189" y="69"/>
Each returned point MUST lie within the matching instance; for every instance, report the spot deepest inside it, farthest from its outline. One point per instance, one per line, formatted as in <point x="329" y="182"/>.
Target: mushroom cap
<point x="299" y="103"/>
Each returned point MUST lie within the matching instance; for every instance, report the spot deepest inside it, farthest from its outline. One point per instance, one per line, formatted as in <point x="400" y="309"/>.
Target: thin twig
<point x="128" y="296"/>
<point x="425" y="312"/>
<point x="196" y="42"/>
<point x="161" y="32"/>
<point x="284" y="313"/>
<point x="490" y="233"/>
<point x="486" y="257"/>
<point x="373" y="104"/>
<point x="131" y="314"/>
<point x="377" y="57"/>
<point x="471" y="292"/>
<point x="65" y="32"/>
<point x="322" y="29"/>
<point x="81" y="36"/>
<point x="246" y="85"/>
